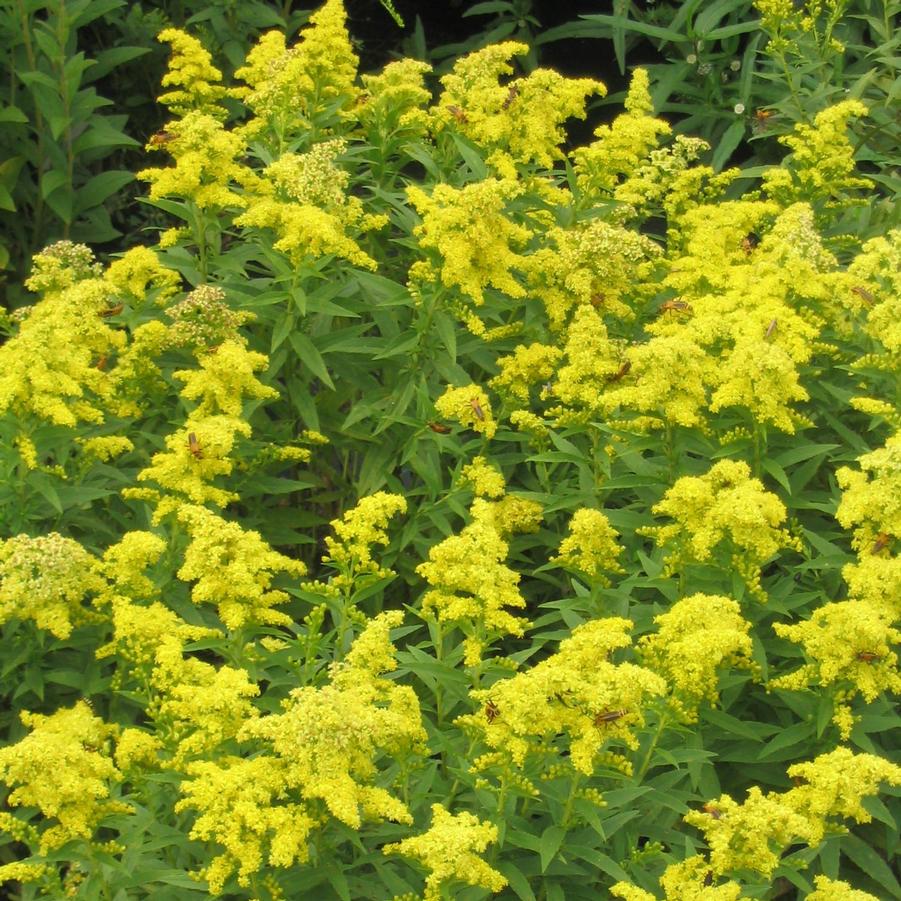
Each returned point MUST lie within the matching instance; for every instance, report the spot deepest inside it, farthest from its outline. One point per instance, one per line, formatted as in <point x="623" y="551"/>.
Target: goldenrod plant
<point x="434" y="509"/>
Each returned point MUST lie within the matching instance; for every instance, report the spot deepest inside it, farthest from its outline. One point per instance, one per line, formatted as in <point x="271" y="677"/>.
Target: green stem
<point x="568" y="809"/>
<point x="646" y="762"/>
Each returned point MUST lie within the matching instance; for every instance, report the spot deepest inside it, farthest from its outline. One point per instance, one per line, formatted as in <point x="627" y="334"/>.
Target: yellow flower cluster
<point x="288" y="90"/>
<point x="356" y="532"/>
<point x="470" y="407"/>
<point x="697" y="638"/>
<point x="303" y="198"/>
<point x="64" y="769"/>
<point x="577" y="692"/>
<point x="475" y="242"/>
<point x="590" y="547"/>
<point x="233" y="568"/>
<point x="320" y="755"/>
<point x="394" y="103"/>
<point x="484" y="479"/>
<point x="594" y="262"/>
<point x="525" y="368"/>
<point x="46" y="579"/>
<point x="53" y="380"/>
<point x="620" y="147"/>
<point x="753" y="835"/>
<point x="848" y="646"/>
<point x="724" y="510"/>
<point x="197" y="706"/>
<point x="196" y="81"/>
<point x="471" y="585"/>
<point x="517" y="122"/>
<point x="450" y="850"/>
<point x="821" y="167"/>
<point x="871" y="499"/>
<point x="690" y="880"/>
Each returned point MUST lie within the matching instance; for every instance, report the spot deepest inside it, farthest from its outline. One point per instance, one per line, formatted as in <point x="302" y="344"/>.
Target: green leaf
<point x="551" y="839"/>
<point x="871" y="863"/>
<point x="728" y="142"/>
<point x="310" y="357"/>
<point x="99" y="188"/>
<point x="645" y="28"/>
<point x="518" y="883"/>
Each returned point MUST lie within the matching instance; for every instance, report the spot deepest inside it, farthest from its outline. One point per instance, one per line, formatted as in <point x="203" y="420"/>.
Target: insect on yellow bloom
<point x="882" y="542"/>
<point x="770" y="328"/>
<point x="608" y="716"/>
<point x="492" y="711"/>
<point x="113" y="311"/>
<point x="676" y="305"/>
<point x="865" y="295"/>
<point x="439" y="427"/>
<point x="477" y="409"/>
<point x="194" y="447"/>
<point x="620" y="373"/>
<point x="458" y="114"/>
<point x="512" y="94"/>
<point x="868" y="656"/>
<point x="161" y="138"/>
<point x="712" y="810"/>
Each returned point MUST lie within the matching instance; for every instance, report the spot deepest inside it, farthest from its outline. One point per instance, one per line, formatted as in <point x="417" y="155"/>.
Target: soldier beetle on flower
<point x="620" y="373"/>
<point x="194" y="447"/>
<point x="477" y="409"/>
<point x="868" y="656"/>
<point x="458" y="114"/>
<point x="770" y="328"/>
<point x="676" y="305"/>
<point x="113" y="311"/>
<point x="608" y="716"/>
<point x="439" y="427"/>
<point x="881" y="543"/>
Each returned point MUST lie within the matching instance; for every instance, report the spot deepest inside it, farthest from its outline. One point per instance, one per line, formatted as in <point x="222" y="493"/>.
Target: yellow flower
<point x="525" y="368"/>
<point x="836" y="784"/>
<point x="590" y="547"/>
<point x="517" y="122"/>
<point x="577" y="692"/>
<point x="138" y="271"/>
<point x="471" y="586"/>
<point x="877" y="581"/>
<point x="331" y="739"/>
<point x="697" y="638"/>
<point x="46" y="579"/>
<point x="473" y="238"/>
<point x="139" y="631"/>
<point x="593" y="262"/>
<point x="137" y="750"/>
<point x="394" y="100"/>
<point x="63" y="768"/>
<point x="241" y="804"/>
<point x="871" y="499"/>
<point x="470" y="407"/>
<point x="187" y="468"/>
<point x="848" y="648"/>
<point x="450" y="850"/>
<point x="751" y="835"/>
<point x="304" y="199"/>
<point x="622" y="146"/>
<point x="60" y="266"/>
<point x="192" y="75"/>
<point x="124" y="563"/>
<point x="484" y="479"/>
<point x="224" y="380"/>
<point x="205" y="155"/>
<point x="821" y="168"/>
<point x="290" y="90"/>
<point x="198" y="707"/>
<point x="835" y="890"/>
<point x="203" y="320"/>
<point x="724" y="510"/>
<point x="350" y="551"/>
<point x="233" y="568"/>
<point x="105" y="447"/>
<point x="664" y="384"/>
<point x="49" y="370"/>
